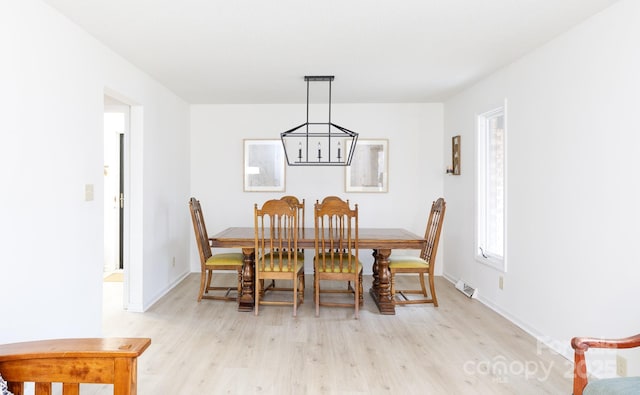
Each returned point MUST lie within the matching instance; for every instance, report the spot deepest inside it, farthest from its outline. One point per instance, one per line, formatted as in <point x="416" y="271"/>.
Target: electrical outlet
<point x="173" y="261"/>
<point x="501" y="282"/>
<point x="621" y="366"/>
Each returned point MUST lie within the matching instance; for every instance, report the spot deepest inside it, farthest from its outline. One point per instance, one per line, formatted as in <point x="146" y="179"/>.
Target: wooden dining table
<point x="380" y="240"/>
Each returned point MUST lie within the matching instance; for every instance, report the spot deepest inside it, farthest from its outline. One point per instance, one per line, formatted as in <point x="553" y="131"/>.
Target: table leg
<point x="381" y="289"/>
<point x="246" y="300"/>
<point x="376" y="278"/>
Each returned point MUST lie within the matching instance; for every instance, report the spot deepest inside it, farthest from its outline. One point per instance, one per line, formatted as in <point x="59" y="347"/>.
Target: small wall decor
<point x="264" y="166"/>
<point x="369" y="170"/>
<point x="455" y="156"/>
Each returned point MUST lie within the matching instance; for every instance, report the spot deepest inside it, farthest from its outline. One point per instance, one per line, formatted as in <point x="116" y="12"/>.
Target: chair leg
<point x="209" y="277"/>
<point x="424" y="288"/>
<point x="257" y="296"/>
<point x="202" y="284"/>
<point x="239" y="283"/>
<point x="295" y="295"/>
<point x="356" y="297"/>
<point x="360" y="290"/>
<point x="316" y="289"/>
<point x="301" y="287"/>
<point x="432" y="286"/>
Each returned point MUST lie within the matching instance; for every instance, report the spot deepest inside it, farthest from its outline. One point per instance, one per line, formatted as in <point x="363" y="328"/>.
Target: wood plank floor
<point x="460" y="347"/>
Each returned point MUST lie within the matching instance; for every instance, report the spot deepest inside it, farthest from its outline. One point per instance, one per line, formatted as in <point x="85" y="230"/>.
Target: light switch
<point x="88" y="192"/>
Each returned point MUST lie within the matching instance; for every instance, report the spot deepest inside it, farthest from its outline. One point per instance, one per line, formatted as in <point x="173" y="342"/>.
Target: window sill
<point x="496" y="263"/>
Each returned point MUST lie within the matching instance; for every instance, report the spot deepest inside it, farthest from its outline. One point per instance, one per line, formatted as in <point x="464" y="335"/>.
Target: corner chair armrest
<point x="73" y="361"/>
<point x="582" y="344"/>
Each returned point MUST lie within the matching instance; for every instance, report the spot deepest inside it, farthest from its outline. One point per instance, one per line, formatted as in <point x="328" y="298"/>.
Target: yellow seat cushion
<point x="300" y="255"/>
<point x="276" y="266"/>
<point x="336" y="255"/>
<point x="226" y="259"/>
<point x="335" y="267"/>
<point x="407" y="262"/>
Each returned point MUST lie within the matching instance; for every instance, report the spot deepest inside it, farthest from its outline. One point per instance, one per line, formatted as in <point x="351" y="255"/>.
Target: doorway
<point x="116" y="128"/>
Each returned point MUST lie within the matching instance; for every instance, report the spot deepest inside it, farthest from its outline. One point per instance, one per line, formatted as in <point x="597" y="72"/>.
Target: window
<point x="490" y="232"/>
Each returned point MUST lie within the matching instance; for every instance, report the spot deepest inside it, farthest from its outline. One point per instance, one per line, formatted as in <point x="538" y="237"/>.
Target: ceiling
<point x="258" y="51"/>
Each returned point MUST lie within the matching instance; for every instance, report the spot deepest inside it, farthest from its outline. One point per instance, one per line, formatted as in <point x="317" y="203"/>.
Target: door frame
<point x="132" y="212"/>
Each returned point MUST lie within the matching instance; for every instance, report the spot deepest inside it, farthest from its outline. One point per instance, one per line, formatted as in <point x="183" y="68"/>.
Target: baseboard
<point x="553" y="344"/>
<point x="164" y="292"/>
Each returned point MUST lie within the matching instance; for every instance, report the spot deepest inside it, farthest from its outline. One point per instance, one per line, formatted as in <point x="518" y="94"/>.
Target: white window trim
<point x="494" y="261"/>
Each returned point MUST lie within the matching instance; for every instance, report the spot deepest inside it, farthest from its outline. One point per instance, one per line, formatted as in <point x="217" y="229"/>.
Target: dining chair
<point x="336" y="252"/>
<point x="421" y="265"/>
<point x="209" y="262"/>
<point x="333" y="198"/>
<point x="276" y="256"/>
<point x="618" y="385"/>
<point x="298" y="205"/>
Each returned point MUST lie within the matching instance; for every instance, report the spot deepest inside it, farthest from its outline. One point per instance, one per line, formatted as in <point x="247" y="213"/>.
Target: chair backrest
<point x="276" y="236"/>
<point x="202" y="238"/>
<point x="295" y="202"/>
<point x="432" y="234"/>
<point x="332" y="198"/>
<point x="336" y="235"/>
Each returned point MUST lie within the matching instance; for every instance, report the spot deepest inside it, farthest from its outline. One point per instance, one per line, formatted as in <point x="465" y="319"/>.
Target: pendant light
<point x="319" y="143"/>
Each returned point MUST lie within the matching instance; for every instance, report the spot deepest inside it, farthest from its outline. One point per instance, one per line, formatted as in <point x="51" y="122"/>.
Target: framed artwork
<point x="264" y="166"/>
<point x="369" y="170"/>
<point x="455" y="155"/>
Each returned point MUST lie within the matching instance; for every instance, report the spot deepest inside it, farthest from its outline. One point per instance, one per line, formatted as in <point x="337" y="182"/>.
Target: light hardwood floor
<point x="460" y="347"/>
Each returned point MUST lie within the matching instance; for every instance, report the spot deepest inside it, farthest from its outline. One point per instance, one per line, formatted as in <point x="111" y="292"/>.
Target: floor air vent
<point x="467" y="289"/>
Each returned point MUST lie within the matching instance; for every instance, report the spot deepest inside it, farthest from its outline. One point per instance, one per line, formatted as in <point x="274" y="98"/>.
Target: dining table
<point x="380" y="240"/>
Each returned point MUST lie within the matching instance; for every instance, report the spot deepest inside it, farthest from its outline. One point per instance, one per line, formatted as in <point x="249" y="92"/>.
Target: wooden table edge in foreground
<point x="72" y="362"/>
<point x="380" y="240"/>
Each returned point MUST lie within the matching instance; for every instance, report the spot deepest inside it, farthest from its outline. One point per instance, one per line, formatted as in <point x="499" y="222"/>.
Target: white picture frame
<point x="369" y="169"/>
<point x="264" y="166"/>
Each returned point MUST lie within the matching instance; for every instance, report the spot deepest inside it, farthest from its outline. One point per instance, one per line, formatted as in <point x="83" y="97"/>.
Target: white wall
<point x="53" y="77"/>
<point x="416" y="164"/>
<point x="573" y="188"/>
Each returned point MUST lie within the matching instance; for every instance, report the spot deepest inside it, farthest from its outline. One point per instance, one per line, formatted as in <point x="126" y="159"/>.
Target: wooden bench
<point x="71" y="362"/>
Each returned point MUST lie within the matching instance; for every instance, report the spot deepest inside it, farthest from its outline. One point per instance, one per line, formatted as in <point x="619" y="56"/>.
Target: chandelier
<point x="319" y="143"/>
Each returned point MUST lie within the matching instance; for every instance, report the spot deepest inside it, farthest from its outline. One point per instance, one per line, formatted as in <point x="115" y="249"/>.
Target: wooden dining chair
<point x="72" y="362"/>
<point x="210" y="263"/>
<point x="333" y="198"/>
<point x="421" y="265"/>
<point x="298" y="205"/>
<point x="336" y="252"/>
<point x="276" y="256"/>
<point x="618" y="385"/>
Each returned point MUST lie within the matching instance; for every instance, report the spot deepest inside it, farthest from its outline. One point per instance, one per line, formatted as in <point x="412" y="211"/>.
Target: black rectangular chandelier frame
<point x="304" y="137"/>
